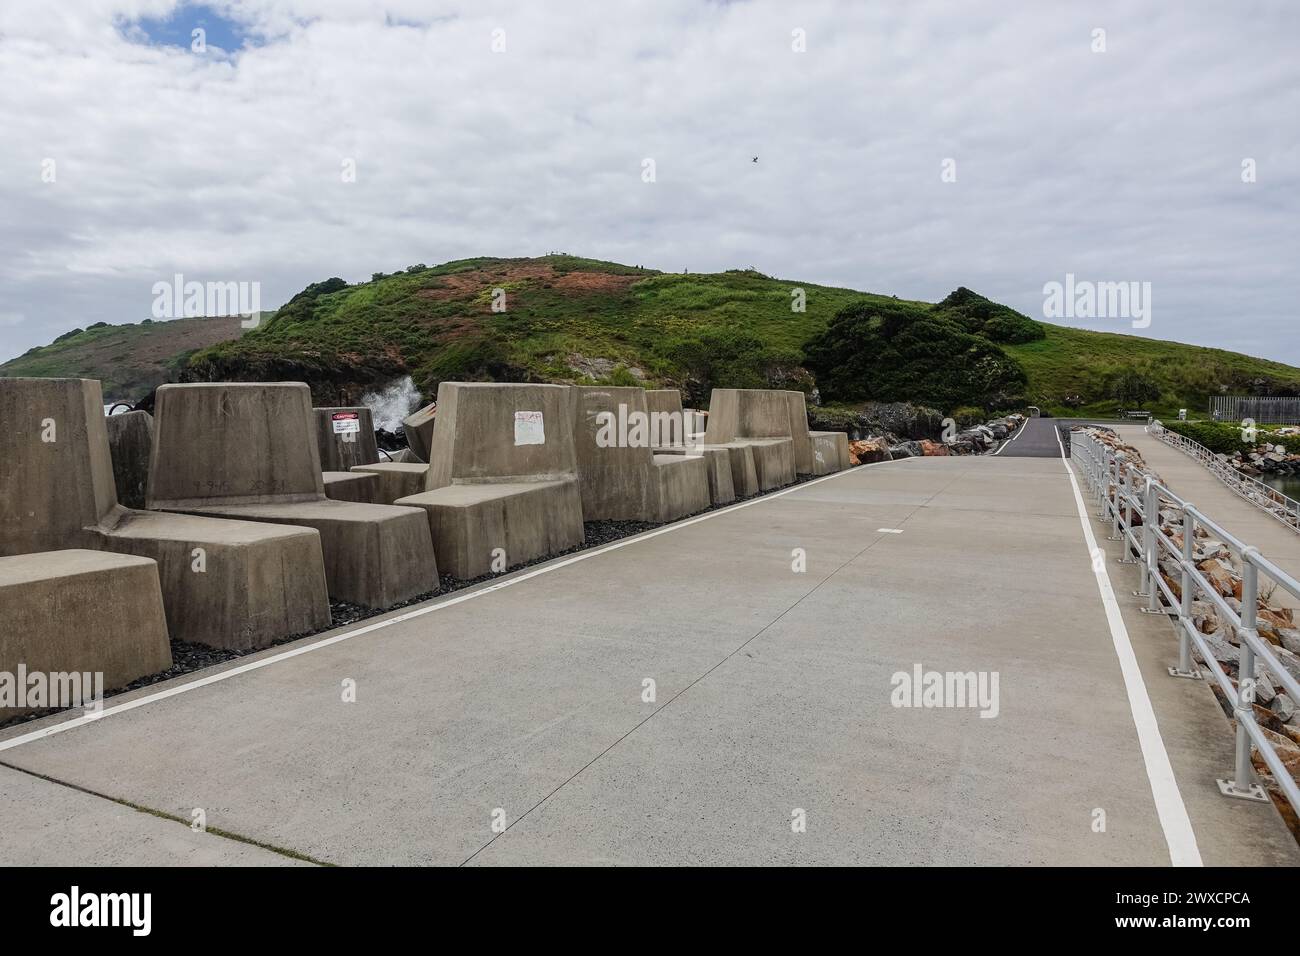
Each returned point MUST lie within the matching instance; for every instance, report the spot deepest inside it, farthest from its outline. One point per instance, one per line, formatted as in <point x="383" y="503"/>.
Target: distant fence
<point x="1264" y="411"/>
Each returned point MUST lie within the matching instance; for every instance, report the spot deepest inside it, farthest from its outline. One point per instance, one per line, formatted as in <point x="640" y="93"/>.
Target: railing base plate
<point x="1255" y="792"/>
<point x="1193" y="674"/>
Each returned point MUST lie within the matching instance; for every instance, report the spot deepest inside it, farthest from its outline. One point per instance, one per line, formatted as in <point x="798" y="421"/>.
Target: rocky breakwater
<point x="1270" y="458"/>
<point x="1275" y="711"/>
<point x="971" y="441"/>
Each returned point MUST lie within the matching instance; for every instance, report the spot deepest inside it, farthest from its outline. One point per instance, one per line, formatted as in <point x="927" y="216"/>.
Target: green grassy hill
<point x="568" y="319"/>
<point x="129" y="360"/>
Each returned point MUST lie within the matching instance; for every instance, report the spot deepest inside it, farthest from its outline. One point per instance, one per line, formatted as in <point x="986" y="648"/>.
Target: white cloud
<point x="1115" y="166"/>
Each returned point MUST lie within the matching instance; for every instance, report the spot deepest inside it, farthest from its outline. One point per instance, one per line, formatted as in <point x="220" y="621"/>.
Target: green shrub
<point x="901" y="352"/>
<point x="996" y="322"/>
<point x="1224" y="438"/>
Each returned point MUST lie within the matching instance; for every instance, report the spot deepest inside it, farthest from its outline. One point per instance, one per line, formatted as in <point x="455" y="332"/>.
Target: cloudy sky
<point x="228" y="164"/>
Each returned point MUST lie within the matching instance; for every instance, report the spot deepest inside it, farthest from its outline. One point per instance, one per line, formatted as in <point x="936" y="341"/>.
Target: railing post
<point x="1185" y="666"/>
<point x="1126" y="525"/>
<point x="1103" y="473"/>
<point x="1241" y="786"/>
<point x="1115" y="499"/>
<point x="1150" y="588"/>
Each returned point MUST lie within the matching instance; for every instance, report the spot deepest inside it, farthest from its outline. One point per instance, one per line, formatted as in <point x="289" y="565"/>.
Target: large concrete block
<point x="619" y="475"/>
<point x="395" y="479"/>
<point x="130" y="444"/>
<point x="233" y="584"/>
<point x="682" y="485"/>
<point x="227" y="443"/>
<point x="225" y="583"/>
<point x="717" y="461"/>
<point x="418" y="428"/>
<point x="375" y="555"/>
<point x="501" y="432"/>
<point x="246" y="451"/>
<point x="478" y="528"/>
<point x="615" y="462"/>
<point x="79" y="611"/>
<point x="502" y="482"/>
<point x="56" y="475"/>
<point x="749" y="414"/>
<point x="739" y="457"/>
<point x="773" y="462"/>
<point x="805" y="462"/>
<point x="830" y="452"/>
<point x="345" y="436"/>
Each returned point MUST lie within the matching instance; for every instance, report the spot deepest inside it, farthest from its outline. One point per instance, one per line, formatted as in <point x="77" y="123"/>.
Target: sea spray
<point x="391" y="404"/>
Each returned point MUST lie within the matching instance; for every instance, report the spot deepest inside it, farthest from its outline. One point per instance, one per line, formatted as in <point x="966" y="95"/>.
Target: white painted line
<point x="1177" y="826"/>
<point x="1019" y="431"/>
<point x="889" y="530"/>
<point x="409" y="615"/>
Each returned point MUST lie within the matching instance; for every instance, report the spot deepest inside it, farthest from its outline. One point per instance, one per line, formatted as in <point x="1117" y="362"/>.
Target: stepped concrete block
<point x="773" y="462"/>
<point x="345" y="436"/>
<point x="830" y="452"/>
<point x="260" y="582"/>
<point x="618" y="472"/>
<point x="743" y="413"/>
<point x="80" y="611"/>
<point x="717" y="461"/>
<point x="682" y="485"/>
<point x="130" y="444"/>
<point x="240" y="585"/>
<point x="615" y="463"/>
<point x="510" y="523"/>
<point x="246" y="451"/>
<point x="744" y="475"/>
<point x="352" y="486"/>
<point x="503" y="476"/>
<point x="749" y="414"/>
<point x="375" y="555"/>
<point x="418" y="428"/>
<point x="805" y="462"/>
<point x="395" y="479"/>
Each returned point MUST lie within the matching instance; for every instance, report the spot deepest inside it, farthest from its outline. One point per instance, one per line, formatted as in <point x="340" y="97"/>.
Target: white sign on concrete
<point x="529" y="428"/>
<point x="345" y="422"/>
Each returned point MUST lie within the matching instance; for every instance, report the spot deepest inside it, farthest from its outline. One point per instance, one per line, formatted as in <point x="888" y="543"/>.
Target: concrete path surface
<point x="525" y="706"/>
<point x="1194" y="482"/>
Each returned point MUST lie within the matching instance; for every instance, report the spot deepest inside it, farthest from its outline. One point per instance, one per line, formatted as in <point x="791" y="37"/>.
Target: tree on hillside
<point x="900" y="352"/>
<point x="981" y="316"/>
<point x="1133" y="388"/>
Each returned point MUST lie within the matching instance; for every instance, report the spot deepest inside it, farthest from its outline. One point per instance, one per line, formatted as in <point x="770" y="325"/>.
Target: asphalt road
<point x="1035" y="439"/>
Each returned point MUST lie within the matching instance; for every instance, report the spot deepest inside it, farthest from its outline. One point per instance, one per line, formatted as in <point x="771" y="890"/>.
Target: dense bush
<point x="897" y="351"/>
<point x="730" y="358"/>
<point x="980" y="316"/>
<point x="1225" y="438"/>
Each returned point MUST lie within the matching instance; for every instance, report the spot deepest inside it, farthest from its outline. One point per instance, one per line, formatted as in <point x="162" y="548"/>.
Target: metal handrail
<point x="1269" y="500"/>
<point x="1130" y="500"/>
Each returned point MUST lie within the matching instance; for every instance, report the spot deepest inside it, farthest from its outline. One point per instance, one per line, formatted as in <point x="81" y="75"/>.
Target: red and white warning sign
<point x="346" y="422"/>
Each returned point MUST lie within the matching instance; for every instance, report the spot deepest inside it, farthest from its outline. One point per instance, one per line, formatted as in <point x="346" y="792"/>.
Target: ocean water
<point x="1289" y="485"/>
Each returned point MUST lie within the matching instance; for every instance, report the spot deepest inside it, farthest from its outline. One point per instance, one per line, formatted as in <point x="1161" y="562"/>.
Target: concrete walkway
<point x="1194" y="482"/>
<point x="524" y="705"/>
